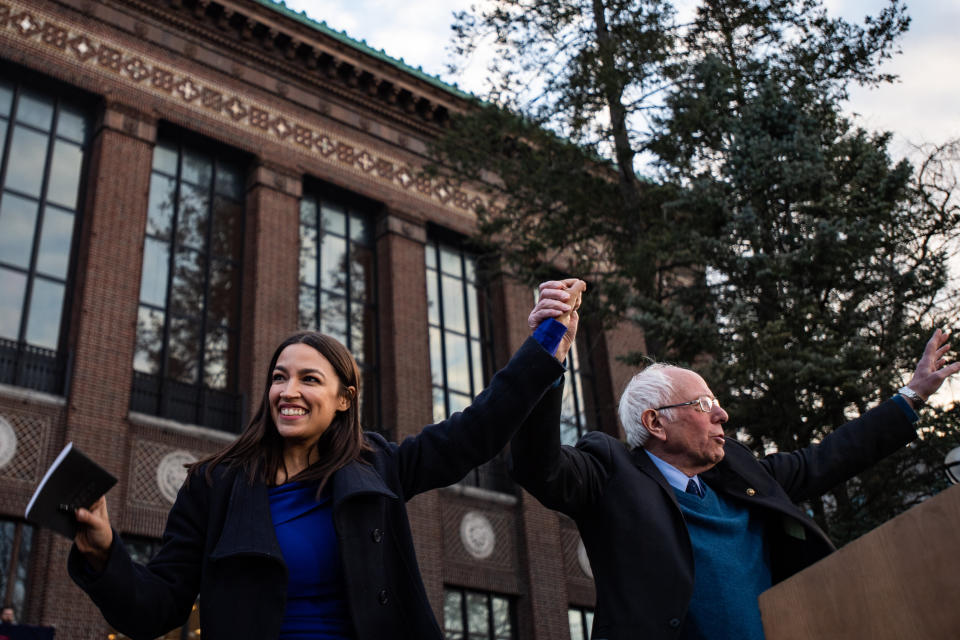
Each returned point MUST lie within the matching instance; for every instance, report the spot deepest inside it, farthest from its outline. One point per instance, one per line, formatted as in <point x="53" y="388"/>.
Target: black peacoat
<point x="632" y="527"/>
<point x="219" y="540"/>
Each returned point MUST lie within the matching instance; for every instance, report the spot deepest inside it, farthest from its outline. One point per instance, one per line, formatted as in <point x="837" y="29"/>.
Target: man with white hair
<point x="684" y="527"/>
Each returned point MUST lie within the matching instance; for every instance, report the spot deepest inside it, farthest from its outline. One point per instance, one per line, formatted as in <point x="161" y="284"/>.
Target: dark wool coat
<point x="632" y="527"/>
<point x="219" y="540"/>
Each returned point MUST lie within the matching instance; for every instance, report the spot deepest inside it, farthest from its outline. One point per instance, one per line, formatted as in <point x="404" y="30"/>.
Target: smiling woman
<point x="299" y="528"/>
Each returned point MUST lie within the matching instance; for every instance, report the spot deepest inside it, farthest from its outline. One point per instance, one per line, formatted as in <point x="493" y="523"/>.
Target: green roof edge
<point x="280" y="6"/>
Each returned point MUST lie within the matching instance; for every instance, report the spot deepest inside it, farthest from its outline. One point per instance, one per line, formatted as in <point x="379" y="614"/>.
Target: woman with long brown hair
<point x="299" y="528"/>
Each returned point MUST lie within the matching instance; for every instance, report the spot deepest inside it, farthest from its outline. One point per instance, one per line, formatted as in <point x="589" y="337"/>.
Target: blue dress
<point x="316" y="596"/>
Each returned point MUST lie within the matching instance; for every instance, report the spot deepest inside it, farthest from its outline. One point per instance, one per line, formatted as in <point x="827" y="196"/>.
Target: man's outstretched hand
<point x="933" y="369"/>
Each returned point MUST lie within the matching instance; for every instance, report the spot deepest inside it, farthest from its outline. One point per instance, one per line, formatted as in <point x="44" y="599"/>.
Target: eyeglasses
<point x="705" y="404"/>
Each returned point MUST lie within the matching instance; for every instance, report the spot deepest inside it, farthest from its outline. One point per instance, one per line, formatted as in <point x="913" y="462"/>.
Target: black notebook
<point x="72" y="481"/>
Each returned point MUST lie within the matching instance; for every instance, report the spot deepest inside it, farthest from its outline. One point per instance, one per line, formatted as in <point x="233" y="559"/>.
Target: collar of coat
<point x="246" y="527"/>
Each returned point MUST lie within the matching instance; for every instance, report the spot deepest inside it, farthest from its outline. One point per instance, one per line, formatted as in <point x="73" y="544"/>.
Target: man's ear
<point x="346" y="399"/>
<point x="650" y="419"/>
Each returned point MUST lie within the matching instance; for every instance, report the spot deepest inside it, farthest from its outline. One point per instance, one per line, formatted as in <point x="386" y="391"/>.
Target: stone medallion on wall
<point x="583" y="560"/>
<point x="477" y="535"/>
<point x="171" y="473"/>
<point x="8" y="442"/>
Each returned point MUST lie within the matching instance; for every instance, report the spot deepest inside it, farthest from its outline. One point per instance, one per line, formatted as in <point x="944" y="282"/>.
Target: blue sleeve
<point x="905" y="407"/>
<point x="549" y="334"/>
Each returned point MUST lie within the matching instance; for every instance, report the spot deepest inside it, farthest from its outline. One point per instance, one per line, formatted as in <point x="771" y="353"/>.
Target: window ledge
<point x="147" y="420"/>
<point x="31" y="396"/>
<point x="482" y="494"/>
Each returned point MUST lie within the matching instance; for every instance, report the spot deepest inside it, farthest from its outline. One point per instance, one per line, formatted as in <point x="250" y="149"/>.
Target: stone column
<point x="103" y="331"/>
<point x="271" y="258"/>
<point x="405" y="382"/>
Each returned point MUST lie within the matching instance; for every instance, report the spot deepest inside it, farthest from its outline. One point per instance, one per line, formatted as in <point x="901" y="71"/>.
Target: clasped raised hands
<point x="559" y="299"/>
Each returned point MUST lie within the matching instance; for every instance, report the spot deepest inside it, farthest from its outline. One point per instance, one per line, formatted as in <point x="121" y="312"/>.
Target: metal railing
<point x="187" y="403"/>
<point x="26" y="365"/>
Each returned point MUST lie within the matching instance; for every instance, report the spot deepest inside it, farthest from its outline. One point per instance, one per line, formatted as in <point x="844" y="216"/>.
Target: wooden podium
<point x="901" y="581"/>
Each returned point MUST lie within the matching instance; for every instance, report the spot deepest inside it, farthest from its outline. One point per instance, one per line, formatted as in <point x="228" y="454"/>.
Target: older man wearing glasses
<point x="684" y="527"/>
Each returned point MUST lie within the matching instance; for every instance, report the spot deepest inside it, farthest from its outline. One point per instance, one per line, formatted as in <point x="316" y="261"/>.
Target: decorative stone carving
<point x="477" y="535"/>
<point x="171" y="473"/>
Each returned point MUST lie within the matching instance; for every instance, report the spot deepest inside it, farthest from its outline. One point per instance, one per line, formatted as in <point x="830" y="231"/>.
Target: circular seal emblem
<point x="583" y="560"/>
<point x="476" y="534"/>
<point x="8" y="442"/>
<point x="171" y="473"/>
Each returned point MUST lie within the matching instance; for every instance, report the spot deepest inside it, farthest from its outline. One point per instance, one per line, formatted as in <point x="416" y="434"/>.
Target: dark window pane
<point x="476" y="364"/>
<point x="436" y="356"/>
<point x="459" y="402"/>
<point x="222" y="301"/>
<point x="470" y="266"/>
<point x="502" y="628"/>
<point x="186" y="293"/>
<point x="227" y="219"/>
<point x="153" y="279"/>
<point x="477" y="620"/>
<point x="215" y="362"/>
<point x="433" y="299"/>
<point x="192" y="216"/>
<point x="29" y="149"/>
<point x="333" y="316"/>
<point x="13" y="286"/>
<point x="148" y="355"/>
<point x="163" y="191"/>
<point x="360" y="230"/>
<point x="361" y="273"/>
<point x="46" y="304"/>
<point x="308" y="212"/>
<point x="184" y="348"/>
<point x="23" y="566"/>
<point x="72" y="124"/>
<point x="18" y="219"/>
<point x="6" y="98"/>
<point x="35" y="110"/>
<point x="454" y="318"/>
<point x="141" y="550"/>
<point x="458" y="367"/>
<point x="308" y="256"/>
<point x="333" y="256"/>
<point x="308" y="308"/>
<point x="576" y="625"/>
<point x="64" y="185"/>
<point x="3" y="134"/>
<point x="229" y="182"/>
<point x="197" y="169"/>
<point x="165" y="158"/>
<point x="333" y="219"/>
<point x="359" y="324"/>
<point x="55" y="240"/>
<point x="450" y="262"/>
<point x="472" y="316"/>
<point x="439" y="404"/>
<point x="7" y="533"/>
<point x="452" y="612"/>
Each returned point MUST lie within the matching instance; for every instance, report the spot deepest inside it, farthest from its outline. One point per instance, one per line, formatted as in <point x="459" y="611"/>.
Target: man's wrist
<point x="912" y="397"/>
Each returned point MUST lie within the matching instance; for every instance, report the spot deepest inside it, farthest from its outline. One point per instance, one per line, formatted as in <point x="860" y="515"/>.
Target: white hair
<point x="649" y="389"/>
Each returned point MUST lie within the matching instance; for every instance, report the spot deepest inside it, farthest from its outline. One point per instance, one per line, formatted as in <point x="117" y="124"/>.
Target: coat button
<point x="377" y="535"/>
<point x="382" y="597"/>
<point x="674" y="623"/>
<point x="751" y="492"/>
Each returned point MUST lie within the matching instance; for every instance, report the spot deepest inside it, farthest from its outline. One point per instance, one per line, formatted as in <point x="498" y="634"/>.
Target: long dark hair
<point x="259" y="449"/>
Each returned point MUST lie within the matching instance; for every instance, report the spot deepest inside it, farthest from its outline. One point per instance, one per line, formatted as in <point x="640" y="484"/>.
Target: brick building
<point x="182" y="184"/>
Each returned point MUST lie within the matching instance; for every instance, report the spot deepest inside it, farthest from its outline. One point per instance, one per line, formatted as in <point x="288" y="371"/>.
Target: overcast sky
<point x="923" y="106"/>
